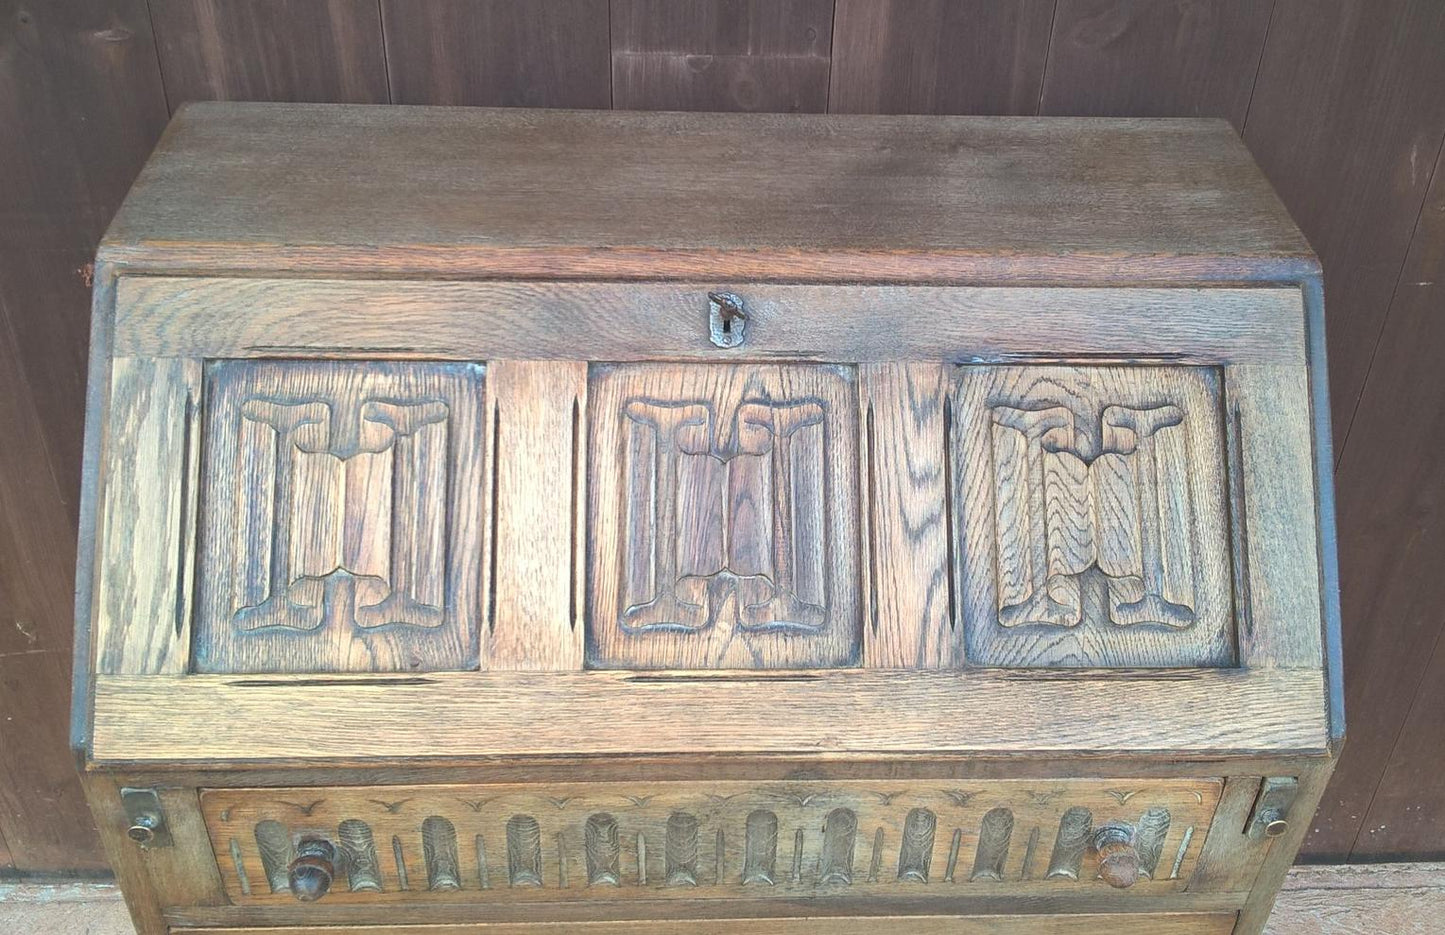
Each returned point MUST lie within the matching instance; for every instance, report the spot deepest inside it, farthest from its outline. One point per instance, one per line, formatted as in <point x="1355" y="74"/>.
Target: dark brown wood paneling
<point x="939" y="56"/>
<point x="1155" y="58"/>
<point x="1388" y="797"/>
<point x="755" y="55"/>
<point x="1346" y="118"/>
<point x="277" y="50"/>
<point x="529" y="53"/>
<point x="81" y="104"/>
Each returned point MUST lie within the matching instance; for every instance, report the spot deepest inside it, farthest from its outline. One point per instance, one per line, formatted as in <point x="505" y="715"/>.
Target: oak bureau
<point x="503" y="522"/>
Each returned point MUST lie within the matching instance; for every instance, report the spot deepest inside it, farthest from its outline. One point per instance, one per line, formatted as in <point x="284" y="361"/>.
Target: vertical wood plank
<point x="749" y="55"/>
<point x="143" y="606"/>
<point x="280" y="50"/>
<point x="939" y="56"/>
<point x="528" y="53"/>
<point x="1346" y="119"/>
<point x="1277" y="573"/>
<point x="909" y="614"/>
<point x="1155" y="58"/>
<point x="81" y="103"/>
<point x="1388" y="796"/>
<point x="539" y="408"/>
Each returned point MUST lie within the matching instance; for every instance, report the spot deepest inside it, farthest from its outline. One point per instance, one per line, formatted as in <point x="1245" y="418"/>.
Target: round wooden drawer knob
<point x="1118" y="857"/>
<point x="311" y="872"/>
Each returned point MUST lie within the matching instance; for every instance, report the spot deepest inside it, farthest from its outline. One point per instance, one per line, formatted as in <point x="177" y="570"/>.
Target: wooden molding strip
<point x="151" y="719"/>
<point x="220" y="317"/>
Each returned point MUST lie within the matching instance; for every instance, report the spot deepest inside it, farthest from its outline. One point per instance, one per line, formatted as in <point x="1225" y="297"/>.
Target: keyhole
<point x="726" y="319"/>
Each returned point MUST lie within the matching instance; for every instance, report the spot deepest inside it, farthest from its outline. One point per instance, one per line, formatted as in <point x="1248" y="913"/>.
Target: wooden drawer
<point x="1214" y="923"/>
<point x="724" y="840"/>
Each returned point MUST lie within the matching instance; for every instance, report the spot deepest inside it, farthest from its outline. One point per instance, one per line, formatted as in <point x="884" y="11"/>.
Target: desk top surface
<point x="590" y="194"/>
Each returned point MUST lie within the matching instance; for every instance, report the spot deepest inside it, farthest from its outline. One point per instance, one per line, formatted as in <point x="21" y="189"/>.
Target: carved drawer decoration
<point x="730" y="839"/>
<point x="724" y="516"/>
<point x="1094" y="516"/>
<point x="341" y="523"/>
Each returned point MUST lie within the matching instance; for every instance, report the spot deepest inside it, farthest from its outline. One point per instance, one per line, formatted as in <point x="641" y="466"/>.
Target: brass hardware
<point x="1271" y="809"/>
<point x="148" y="826"/>
<point x="727" y="319"/>
<point x="309" y="876"/>
<point x="1118" y="855"/>
<point x="1270" y="819"/>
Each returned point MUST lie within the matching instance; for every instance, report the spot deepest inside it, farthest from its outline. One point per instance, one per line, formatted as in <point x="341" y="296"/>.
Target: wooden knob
<point x="310" y="873"/>
<point x="1272" y="822"/>
<point x="1118" y="857"/>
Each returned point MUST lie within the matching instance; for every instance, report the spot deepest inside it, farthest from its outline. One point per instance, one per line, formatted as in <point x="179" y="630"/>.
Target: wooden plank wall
<point x="1340" y="100"/>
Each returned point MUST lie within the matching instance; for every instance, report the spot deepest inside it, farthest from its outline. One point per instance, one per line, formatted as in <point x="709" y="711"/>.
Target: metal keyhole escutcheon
<point x="727" y="319"/>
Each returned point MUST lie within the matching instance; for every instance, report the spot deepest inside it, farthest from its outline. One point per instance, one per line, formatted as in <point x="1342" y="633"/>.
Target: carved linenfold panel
<point x="439" y="851"/>
<point x="728" y="839"/>
<point x="363" y="872"/>
<point x="724" y="512"/>
<point x="1093" y="515"/>
<point x="603" y="850"/>
<point x="341" y="522"/>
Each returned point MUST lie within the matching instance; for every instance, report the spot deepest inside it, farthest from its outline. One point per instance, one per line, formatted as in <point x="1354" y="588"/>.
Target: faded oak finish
<point x="536" y="521"/>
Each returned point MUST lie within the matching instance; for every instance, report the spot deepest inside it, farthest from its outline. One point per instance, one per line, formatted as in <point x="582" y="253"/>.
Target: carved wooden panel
<point x="723" y="516"/>
<point x="727" y="839"/>
<point x="1093" y="515"/>
<point x="342" y="517"/>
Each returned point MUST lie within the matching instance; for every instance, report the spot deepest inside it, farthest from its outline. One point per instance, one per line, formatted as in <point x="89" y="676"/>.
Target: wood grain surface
<point x="605" y="841"/>
<point x="498" y="53"/>
<point x="723" y="516"/>
<point x="553" y="190"/>
<point x="754" y="55"/>
<point x="215" y="50"/>
<point x="453" y="320"/>
<point x="939" y="56"/>
<point x="1353" y="81"/>
<point x="1155" y="57"/>
<point x="343" y="517"/>
<point x="147" y="719"/>
<point x="1093" y="518"/>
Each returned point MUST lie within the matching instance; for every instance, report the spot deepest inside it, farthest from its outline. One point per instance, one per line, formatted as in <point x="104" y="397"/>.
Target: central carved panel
<point x="1093" y="516"/>
<point x="724" y="516"/>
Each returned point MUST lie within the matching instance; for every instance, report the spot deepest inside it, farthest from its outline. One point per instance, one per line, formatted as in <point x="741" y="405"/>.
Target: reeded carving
<point x="524" y="851"/>
<point x="363" y="872"/>
<point x="840" y="833"/>
<point x="916" y="852"/>
<point x="239" y="863"/>
<point x="993" y="843"/>
<point x="679" y="850"/>
<point x="484" y="876"/>
<point x="1075" y="829"/>
<point x="439" y="850"/>
<point x="398" y="857"/>
<point x="603" y="850"/>
<point x="760" y="848"/>
<point x="1149" y="837"/>
<point x="273" y="841"/>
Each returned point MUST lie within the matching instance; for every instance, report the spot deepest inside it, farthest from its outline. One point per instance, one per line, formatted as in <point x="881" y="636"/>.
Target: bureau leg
<point x="1282" y="850"/>
<point x="181" y="874"/>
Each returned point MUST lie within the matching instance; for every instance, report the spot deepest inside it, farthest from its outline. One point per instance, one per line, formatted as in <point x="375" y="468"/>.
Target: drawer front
<point x="1213" y="923"/>
<point x="610" y="841"/>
